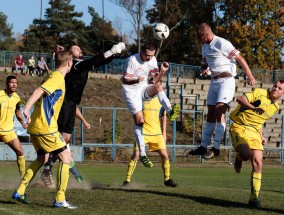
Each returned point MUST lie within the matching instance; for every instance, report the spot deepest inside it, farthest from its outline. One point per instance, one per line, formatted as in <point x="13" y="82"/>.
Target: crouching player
<point x="44" y="133"/>
<point x="246" y="130"/>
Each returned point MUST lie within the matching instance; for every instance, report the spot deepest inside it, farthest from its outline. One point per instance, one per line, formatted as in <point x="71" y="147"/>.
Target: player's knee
<point x="245" y="155"/>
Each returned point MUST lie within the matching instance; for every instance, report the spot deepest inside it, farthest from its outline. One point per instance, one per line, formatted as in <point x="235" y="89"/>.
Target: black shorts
<point x="66" y="118"/>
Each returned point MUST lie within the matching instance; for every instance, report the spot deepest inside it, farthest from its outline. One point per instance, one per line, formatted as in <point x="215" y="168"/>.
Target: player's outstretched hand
<point x="115" y="49"/>
<point x="118" y="48"/>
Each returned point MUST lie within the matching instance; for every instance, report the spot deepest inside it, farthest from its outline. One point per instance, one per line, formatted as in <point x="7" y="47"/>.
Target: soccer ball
<point x="161" y="31"/>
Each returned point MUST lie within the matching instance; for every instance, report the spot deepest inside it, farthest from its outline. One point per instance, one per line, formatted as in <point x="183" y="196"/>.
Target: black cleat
<point x="211" y="153"/>
<point x="125" y="184"/>
<point x="170" y="183"/>
<point x="198" y="151"/>
<point x="255" y="203"/>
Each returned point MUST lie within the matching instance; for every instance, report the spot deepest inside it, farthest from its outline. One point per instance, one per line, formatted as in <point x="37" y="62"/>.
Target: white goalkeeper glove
<point x="115" y="49"/>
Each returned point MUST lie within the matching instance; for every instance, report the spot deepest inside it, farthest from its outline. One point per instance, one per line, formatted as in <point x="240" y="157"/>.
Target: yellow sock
<point x="21" y="165"/>
<point x="166" y="168"/>
<point x="255" y="185"/>
<point x="130" y="170"/>
<point x="62" y="181"/>
<point x="30" y="173"/>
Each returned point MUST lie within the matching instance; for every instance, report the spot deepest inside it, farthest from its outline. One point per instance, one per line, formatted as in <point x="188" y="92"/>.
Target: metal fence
<point x="111" y="136"/>
<point x="7" y="59"/>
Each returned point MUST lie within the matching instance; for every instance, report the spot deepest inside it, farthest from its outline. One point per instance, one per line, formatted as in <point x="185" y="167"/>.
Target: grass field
<point x="203" y="189"/>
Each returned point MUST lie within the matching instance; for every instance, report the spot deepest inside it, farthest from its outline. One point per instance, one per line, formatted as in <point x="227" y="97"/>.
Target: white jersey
<point x="220" y="56"/>
<point x="135" y="67"/>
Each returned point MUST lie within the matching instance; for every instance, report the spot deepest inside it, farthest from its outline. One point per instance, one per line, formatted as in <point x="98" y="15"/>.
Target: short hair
<point x="9" y="78"/>
<point x="62" y="57"/>
<point x="70" y="45"/>
<point x="149" y="46"/>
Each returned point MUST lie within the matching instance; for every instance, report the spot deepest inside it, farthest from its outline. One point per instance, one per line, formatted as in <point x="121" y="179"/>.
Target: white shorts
<point x="221" y="90"/>
<point x="134" y="99"/>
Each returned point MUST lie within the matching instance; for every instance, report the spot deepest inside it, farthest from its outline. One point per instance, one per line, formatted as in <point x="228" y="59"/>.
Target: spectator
<point x="20" y="64"/>
<point x="31" y="65"/>
<point x="42" y="67"/>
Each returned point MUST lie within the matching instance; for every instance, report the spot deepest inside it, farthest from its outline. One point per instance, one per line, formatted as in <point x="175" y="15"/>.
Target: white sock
<point x="139" y="137"/>
<point x="165" y="102"/>
<point x="219" y="134"/>
<point x="207" y="134"/>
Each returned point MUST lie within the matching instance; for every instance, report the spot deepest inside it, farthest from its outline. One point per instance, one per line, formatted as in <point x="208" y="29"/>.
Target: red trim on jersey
<point x="232" y="53"/>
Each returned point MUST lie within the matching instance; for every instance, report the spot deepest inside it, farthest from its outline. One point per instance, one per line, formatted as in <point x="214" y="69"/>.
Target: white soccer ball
<point x="161" y="31"/>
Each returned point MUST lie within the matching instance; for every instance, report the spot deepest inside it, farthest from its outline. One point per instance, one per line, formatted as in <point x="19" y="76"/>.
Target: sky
<point x="21" y="13"/>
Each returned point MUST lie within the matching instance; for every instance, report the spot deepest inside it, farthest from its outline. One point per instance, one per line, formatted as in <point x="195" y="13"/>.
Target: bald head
<point x="204" y="33"/>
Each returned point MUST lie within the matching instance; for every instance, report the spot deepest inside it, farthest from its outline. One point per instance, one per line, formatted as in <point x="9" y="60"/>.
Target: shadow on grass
<point x="199" y="199"/>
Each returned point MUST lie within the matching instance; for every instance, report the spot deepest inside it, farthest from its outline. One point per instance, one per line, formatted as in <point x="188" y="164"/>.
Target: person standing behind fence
<point x="9" y="106"/>
<point x="155" y="135"/>
<point x="253" y="110"/>
<point x="43" y="129"/>
<point x="219" y="59"/>
<point x="20" y="64"/>
<point x="76" y="81"/>
<point x="42" y="67"/>
<point x="31" y="65"/>
<point x="135" y="90"/>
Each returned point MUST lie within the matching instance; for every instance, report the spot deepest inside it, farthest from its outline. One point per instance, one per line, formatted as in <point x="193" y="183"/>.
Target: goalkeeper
<point x="155" y="136"/>
<point x="76" y="81"/>
<point x="254" y="109"/>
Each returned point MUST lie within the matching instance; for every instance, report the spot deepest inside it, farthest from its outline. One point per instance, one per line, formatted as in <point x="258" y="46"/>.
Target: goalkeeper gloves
<point x="116" y="49"/>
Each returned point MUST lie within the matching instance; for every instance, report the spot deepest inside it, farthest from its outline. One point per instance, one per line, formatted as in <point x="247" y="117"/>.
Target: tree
<point x="182" y="18"/>
<point x="255" y="29"/>
<point x="60" y="26"/>
<point x="100" y="33"/>
<point x="7" y="42"/>
<point x="136" y="10"/>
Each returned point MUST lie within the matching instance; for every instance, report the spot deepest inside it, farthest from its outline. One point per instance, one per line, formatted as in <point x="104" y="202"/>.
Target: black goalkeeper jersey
<point x="76" y="79"/>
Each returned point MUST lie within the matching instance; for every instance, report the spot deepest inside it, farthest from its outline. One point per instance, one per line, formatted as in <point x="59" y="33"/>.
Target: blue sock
<point x="74" y="171"/>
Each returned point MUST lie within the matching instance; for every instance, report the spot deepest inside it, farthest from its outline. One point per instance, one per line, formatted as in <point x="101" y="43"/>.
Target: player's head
<point x="277" y="90"/>
<point x="11" y="83"/>
<point x="64" y="59"/>
<point x="75" y="50"/>
<point x="147" y="51"/>
<point x="204" y="33"/>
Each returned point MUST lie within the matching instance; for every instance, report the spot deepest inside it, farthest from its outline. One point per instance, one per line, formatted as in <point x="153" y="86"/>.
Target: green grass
<point x="203" y="189"/>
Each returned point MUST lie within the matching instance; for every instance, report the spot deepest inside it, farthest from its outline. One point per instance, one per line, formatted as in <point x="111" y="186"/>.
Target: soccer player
<point x="155" y="136"/>
<point x="254" y="109"/>
<point x="43" y="129"/>
<point x="219" y="59"/>
<point x="76" y="81"/>
<point x="9" y="106"/>
<point x="135" y="90"/>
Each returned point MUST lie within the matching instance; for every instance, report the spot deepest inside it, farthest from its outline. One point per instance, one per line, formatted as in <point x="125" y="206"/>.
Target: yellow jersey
<point x="258" y="98"/>
<point x="8" y="106"/>
<point x="47" y="108"/>
<point x="152" y="112"/>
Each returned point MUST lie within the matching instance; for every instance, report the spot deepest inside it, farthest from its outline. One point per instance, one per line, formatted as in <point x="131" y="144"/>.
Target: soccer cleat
<point x="63" y="204"/>
<point x="174" y="112"/>
<point x="198" y="151"/>
<point x="211" y="153"/>
<point x="238" y="165"/>
<point x="79" y="178"/>
<point x="20" y="198"/>
<point x="47" y="178"/>
<point x="255" y="203"/>
<point x="125" y="184"/>
<point x="170" y="183"/>
<point x="146" y="162"/>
